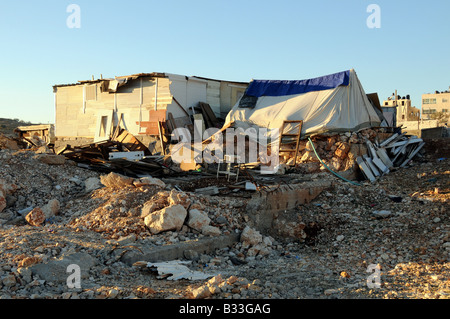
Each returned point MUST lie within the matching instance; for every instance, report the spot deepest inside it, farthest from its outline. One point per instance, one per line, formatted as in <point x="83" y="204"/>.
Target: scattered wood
<point x="394" y="152"/>
<point x="122" y="153"/>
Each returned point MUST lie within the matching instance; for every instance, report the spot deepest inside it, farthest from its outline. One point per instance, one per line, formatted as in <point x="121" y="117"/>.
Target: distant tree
<point x="440" y="116"/>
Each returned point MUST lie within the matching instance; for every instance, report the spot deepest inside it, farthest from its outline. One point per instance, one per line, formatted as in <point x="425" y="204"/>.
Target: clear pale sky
<point x="229" y="40"/>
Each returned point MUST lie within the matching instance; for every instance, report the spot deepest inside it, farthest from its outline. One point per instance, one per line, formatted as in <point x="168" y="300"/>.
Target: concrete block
<point x="176" y="251"/>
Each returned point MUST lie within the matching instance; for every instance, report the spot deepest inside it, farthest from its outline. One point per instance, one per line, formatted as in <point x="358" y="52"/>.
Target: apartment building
<point x="402" y="108"/>
<point x="432" y="103"/>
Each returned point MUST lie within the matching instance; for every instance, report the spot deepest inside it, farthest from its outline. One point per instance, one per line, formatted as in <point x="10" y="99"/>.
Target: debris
<point x="394" y="152"/>
<point x="36" y="217"/>
<point x="394" y="198"/>
<point x="51" y="159"/>
<point x="176" y="270"/>
<point x="131" y="156"/>
<point x="209" y="230"/>
<point x="51" y="208"/>
<point x="197" y="219"/>
<point x="237" y="261"/>
<point x="169" y="218"/>
<point x="210" y="190"/>
<point x="179" y="198"/>
<point x="122" y="153"/>
<point x="114" y="180"/>
<point x="8" y="143"/>
<point x="382" y="213"/>
<point x="92" y="183"/>
<point x="251" y="236"/>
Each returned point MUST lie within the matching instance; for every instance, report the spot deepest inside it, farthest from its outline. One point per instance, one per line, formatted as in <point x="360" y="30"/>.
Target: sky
<point x="402" y="45"/>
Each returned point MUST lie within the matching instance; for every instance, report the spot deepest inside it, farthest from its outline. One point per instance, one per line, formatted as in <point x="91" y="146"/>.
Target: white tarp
<point x="344" y="108"/>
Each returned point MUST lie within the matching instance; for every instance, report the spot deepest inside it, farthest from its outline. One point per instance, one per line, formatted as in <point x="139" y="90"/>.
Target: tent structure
<point x="326" y="105"/>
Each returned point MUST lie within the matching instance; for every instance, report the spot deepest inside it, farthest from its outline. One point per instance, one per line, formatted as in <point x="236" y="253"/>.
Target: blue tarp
<point x="259" y="88"/>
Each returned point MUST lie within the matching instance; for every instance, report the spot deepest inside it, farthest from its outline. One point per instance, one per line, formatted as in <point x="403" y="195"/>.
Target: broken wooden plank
<point x="371" y="148"/>
<point x="130" y="142"/>
<point x="410" y="157"/>
<point x="365" y="169"/>
<point x="210" y="117"/>
<point x="390" y="139"/>
<point x="372" y="167"/>
<point x="383" y="168"/>
<point x="381" y="152"/>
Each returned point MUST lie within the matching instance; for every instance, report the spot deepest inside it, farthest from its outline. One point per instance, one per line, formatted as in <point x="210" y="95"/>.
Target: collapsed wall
<point x="339" y="152"/>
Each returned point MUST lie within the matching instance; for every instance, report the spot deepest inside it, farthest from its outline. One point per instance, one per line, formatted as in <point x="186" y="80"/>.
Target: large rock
<point x="209" y="230"/>
<point x="179" y="198"/>
<point x="5" y="189"/>
<point x="342" y="150"/>
<point x="152" y="206"/>
<point x="169" y="218"/>
<point x="51" y="159"/>
<point x="115" y="180"/>
<point x="36" y="217"/>
<point x="147" y="181"/>
<point x="197" y="219"/>
<point x="51" y="208"/>
<point x="251" y="236"/>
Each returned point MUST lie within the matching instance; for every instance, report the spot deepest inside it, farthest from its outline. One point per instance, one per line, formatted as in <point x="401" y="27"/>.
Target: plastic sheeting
<point x="258" y="88"/>
<point x="343" y="108"/>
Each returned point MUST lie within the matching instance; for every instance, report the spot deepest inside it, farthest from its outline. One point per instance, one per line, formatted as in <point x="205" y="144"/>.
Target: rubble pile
<point x="54" y="213"/>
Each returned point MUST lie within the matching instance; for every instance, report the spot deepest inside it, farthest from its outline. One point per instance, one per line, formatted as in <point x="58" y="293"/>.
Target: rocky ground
<point x="384" y="240"/>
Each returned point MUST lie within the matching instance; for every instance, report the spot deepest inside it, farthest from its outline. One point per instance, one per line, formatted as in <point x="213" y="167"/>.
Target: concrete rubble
<point x="303" y="234"/>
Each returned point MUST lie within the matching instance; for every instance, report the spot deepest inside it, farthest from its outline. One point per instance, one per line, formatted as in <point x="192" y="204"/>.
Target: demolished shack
<point x="327" y="122"/>
<point x="125" y="124"/>
<point x="143" y="104"/>
<point x="131" y="125"/>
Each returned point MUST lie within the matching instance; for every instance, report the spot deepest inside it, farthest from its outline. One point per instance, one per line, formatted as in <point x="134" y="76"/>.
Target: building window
<point x="91" y="93"/>
<point x="444" y="110"/>
<point x="444" y="101"/>
<point x="429" y="101"/>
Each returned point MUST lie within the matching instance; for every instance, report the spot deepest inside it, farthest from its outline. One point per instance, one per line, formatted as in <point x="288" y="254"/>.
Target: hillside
<point x="7" y="126"/>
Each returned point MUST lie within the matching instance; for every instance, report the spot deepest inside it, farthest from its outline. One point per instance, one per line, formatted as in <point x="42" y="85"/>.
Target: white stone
<point x="148" y="180"/>
<point x="211" y="231"/>
<point x="251" y="236"/>
<point x="91" y="184"/>
<point x="114" y="180"/>
<point x="51" y="208"/>
<point x="197" y="219"/>
<point x="169" y="218"/>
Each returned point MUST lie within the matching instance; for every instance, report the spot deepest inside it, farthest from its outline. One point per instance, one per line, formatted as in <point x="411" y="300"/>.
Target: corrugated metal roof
<point x="124" y="77"/>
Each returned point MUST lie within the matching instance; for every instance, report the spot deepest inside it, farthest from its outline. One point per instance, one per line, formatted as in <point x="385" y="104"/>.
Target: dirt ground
<point x="384" y="240"/>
